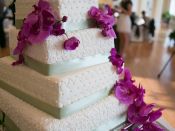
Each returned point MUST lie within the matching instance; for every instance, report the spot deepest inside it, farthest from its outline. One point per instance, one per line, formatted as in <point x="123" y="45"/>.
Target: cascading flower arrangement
<point x="104" y="19"/>
<point x="37" y="26"/>
<point x="140" y="115"/>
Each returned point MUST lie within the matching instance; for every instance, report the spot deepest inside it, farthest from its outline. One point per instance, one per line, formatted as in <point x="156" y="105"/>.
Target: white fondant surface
<point x="77" y="12"/>
<point x="28" y="118"/>
<point x="62" y="90"/>
<point x="51" y="51"/>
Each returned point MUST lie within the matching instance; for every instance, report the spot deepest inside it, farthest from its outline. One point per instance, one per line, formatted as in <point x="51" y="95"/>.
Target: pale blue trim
<point x="66" y="66"/>
<point x="56" y="111"/>
<point x="111" y="124"/>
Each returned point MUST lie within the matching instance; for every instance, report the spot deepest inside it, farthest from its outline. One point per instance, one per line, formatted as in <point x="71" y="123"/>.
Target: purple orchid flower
<point x="71" y="44"/>
<point x="36" y="27"/>
<point x="64" y="19"/>
<point x="140" y="96"/>
<point x="42" y="4"/>
<point x="151" y="127"/>
<point x="146" y="109"/>
<point x="143" y="114"/>
<point x="155" y="115"/>
<point x="94" y="12"/>
<point x="127" y="76"/>
<point x="19" y="61"/>
<point x="135" y="116"/>
<point x="109" y="32"/>
<point x="109" y="10"/>
<point x="125" y="92"/>
<point x="116" y="60"/>
<point x="105" y="20"/>
<point x="41" y="22"/>
<point x="20" y="47"/>
<point x="57" y="29"/>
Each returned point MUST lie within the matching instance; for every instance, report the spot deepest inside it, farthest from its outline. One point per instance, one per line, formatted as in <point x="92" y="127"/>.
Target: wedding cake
<point x="57" y="89"/>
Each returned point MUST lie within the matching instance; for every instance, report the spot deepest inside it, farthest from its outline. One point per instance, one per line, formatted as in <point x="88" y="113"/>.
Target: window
<point x="172" y="7"/>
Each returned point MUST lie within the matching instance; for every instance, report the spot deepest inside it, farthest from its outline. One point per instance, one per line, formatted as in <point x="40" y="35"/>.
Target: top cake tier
<point x="75" y="10"/>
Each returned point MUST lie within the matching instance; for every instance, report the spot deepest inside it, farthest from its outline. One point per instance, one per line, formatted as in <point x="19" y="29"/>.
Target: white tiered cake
<point x="58" y="90"/>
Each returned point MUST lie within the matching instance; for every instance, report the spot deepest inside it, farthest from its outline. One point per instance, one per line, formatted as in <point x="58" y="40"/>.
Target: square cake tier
<point x="92" y="43"/>
<point x="19" y="115"/>
<point x="58" y="92"/>
<point x="75" y="10"/>
<point x="50" y="58"/>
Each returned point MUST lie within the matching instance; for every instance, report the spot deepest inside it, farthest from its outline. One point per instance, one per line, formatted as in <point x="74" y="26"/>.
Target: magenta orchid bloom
<point x="151" y="127"/>
<point x="109" y="32"/>
<point x="135" y="115"/>
<point x="94" y="12"/>
<point x="109" y="10"/>
<point x="127" y="76"/>
<point x="144" y="115"/>
<point x="57" y="29"/>
<point x="125" y="92"/>
<point x="104" y="19"/>
<point x="71" y="44"/>
<point x="36" y="27"/>
<point x="116" y="60"/>
<point x="19" y="61"/>
<point x="64" y="19"/>
<point x="41" y="22"/>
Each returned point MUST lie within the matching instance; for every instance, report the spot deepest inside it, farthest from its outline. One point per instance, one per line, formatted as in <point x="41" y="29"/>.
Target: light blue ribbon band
<point x="83" y="24"/>
<point x="68" y="26"/>
<point x="55" y="111"/>
<point x="67" y="66"/>
<point x="106" y="126"/>
<point x="111" y="124"/>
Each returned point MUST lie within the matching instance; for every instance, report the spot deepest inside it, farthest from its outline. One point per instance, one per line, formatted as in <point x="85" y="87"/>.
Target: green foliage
<point x="172" y="35"/>
<point x="166" y="15"/>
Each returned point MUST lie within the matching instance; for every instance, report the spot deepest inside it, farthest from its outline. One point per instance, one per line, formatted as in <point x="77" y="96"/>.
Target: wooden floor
<point x="146" y="60"/>
<point x="4" y="52"/>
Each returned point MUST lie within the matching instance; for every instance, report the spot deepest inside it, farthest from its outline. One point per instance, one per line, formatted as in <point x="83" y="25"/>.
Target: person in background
<point x="12" y="7"/>
<point x="124" y="24"/>
<point x="145" y="26"/>
<point x="145" y="18"/>
<point x="2" y="16"/>
<point x="8" y="18"/>
<point x="152" y="29"/>
<point x="133" y="19"/>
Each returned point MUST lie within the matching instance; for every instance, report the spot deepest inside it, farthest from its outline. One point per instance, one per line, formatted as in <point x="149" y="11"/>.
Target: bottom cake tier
<point x="21" y="116"/>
